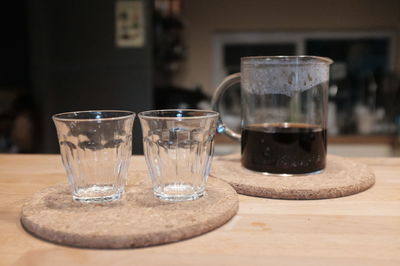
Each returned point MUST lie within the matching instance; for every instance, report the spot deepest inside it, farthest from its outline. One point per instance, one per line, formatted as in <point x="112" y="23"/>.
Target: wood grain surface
<point x="362" y="229"/>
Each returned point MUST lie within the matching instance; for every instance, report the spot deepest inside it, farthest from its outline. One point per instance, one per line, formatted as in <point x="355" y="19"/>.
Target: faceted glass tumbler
<point x="178" y="146"/>
<point x="96" y="147"/>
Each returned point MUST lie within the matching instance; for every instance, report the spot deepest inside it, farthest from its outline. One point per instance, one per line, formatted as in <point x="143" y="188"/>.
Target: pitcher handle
<point x="228" y="82"/>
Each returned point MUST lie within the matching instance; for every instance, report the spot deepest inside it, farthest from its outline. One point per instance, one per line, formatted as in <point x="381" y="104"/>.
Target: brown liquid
<point x="286" y="148"/>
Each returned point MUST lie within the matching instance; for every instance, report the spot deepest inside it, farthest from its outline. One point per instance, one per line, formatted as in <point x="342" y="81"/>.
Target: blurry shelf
<point x="361" y="139"/>
<point x="221" y="139"/>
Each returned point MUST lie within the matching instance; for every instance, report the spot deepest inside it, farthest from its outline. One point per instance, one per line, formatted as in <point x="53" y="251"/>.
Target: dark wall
<point x="75" y="64"/>
<point x="14" y="46"/>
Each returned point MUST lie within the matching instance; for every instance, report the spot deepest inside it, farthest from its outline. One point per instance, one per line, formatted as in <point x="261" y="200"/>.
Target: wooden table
<point x="362" y="229"/>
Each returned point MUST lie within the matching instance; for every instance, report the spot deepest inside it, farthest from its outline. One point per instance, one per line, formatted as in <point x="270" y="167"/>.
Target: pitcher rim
<point x="289" y="59"/>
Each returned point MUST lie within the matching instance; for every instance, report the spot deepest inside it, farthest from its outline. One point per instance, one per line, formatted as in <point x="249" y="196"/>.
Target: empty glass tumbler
<point x="96" y="147"/>
<point x="179" y="147"/>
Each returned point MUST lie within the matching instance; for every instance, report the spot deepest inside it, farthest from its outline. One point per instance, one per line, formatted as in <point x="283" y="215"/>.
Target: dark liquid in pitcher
<point x="284" y="148"/>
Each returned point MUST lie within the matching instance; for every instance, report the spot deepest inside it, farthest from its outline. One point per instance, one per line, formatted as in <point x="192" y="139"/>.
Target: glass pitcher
<point x="284" y="102"/>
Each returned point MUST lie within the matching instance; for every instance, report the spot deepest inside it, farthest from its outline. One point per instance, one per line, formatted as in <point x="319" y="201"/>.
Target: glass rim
<point x="150" y="114"/>
<point x="124" y="114"/>
<point x="288" y="59"/>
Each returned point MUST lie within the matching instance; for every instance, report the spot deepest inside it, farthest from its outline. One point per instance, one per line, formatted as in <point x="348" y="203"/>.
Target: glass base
<point x="283" y="174"/>
<point x="97" y="194"/>
<point x="178" y="192"/>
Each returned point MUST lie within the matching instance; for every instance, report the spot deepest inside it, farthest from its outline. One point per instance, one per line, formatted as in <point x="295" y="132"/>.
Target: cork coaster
<point x="342" y="177"/>
<point x="137" y="220"/>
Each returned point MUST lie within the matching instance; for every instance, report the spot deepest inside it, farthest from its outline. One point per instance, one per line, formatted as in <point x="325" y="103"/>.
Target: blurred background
<point x="59" y="56"/>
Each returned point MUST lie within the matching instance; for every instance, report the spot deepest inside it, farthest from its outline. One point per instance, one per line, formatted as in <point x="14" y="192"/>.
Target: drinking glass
<point x="284" y="104"/>
<point x="96" y="147"/>
<point x="178" y="147"/>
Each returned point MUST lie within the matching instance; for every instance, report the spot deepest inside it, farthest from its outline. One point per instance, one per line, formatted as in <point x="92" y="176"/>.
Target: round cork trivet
<point x="137" y="220"/>
<point x="341" y="177"/>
